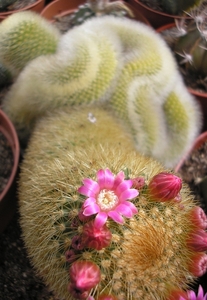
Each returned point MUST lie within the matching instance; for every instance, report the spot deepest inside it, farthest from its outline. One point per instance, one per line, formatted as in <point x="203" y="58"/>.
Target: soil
<point x="18" y="280"/>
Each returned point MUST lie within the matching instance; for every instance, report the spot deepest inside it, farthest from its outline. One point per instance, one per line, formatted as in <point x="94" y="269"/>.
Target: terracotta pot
<point x="155" y="18"/>
<point x="8" y="195"/>
<point x="200" y="96"/>
<point x="199" y="141"/>
<point x="37" y="7"/>
<point x="60" y="8"/>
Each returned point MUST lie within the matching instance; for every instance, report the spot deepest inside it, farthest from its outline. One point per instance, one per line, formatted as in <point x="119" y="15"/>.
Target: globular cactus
<point x="25" y="36"/>
<point x="191" y="46"/>
<point x="110" y="59"/>
<point x="101" y="221"/>
<point x="177" y="7"/>
<point x="93" y="8"/>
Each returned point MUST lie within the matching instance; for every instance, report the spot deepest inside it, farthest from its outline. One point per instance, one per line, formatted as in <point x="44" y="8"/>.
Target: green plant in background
<point x="177" y="7"/>
<point x="110" y="60"/>
<point x="101" y="221"/>
<point x="190" y="46"/>
<point x="95" y="8"/>
<point x="23" y="37"/>
<point x="5" y="3"/>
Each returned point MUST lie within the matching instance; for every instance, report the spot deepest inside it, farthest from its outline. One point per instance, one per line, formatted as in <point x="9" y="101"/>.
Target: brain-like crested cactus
<point x="101" y="221"/>
<point x="111" y="59"/>
<point x="25" y="36"/>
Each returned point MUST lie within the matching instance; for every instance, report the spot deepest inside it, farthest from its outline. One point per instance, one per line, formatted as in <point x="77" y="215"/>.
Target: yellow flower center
<point x="107" y="200"/>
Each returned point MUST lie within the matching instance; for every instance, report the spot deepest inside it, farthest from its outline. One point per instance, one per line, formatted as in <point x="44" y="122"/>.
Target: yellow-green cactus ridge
<point x="23" y="37"/>
<point x="148" y="256"/>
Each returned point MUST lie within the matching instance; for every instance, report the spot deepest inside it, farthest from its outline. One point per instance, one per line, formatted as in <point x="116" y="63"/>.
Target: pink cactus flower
<point x="177" y="295"/>
<point x="77" y="293"/>
<point x="108" y="197"/>
<point x="200" y="295"/>
<point x="198" y="240"/>
<point x="198" y="264"/>
<point x="77" y="243"/>
<point x="198" y="217"/>
<point x="96" y="238"/>
<point x="84" y="275"/>
<point x="70" y="256"/>
<point x="165" y="186"/>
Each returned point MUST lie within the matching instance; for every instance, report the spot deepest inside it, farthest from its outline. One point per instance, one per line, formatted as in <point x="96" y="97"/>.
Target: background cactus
<point x="176" y="7"/>
<point x="150" y="256"/>
<point x="5" y="3"/>
<point x="23" y="37"/>
<point x="191" y="47"/>
<point x="110" y="59"/>
<point x="98" y="8"/>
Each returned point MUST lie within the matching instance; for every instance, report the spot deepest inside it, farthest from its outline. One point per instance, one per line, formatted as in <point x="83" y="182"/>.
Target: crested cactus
<point x="101" y="221"/>
<point x="110" y="60"/>
<point x="23" y="37"/>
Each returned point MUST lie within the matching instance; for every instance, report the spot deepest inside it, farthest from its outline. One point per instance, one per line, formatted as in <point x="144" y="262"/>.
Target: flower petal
<point x="83" y="190"/>
<point x="100" y="219"/>
<point x="116" y="217"/>
<point x="131" y="206"/>
<point x="118" y="179"/>
<point x="89" y="201"/>
<point x="91" y="185"/>
<point x="91" y="209"/>
<point x="123" y="186"/>
<point x="124" y="210"/>
<point x="101" y="179"/>
<point x="109" y="179"/>
<point x="128" y="194"/>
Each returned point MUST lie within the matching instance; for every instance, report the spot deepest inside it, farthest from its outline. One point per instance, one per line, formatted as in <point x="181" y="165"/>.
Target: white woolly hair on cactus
<point x="24" y="36"/>
<point x="120" y="61"/>
<point x="154" y="250"/>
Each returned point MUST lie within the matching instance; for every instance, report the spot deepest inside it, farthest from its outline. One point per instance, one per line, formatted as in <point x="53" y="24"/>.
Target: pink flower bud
<point x="198" y="217"/>
<point x="165" y="186"/>
<point x="96" y="238"/>
<point x="138" y="183"/>
<point x="198" y="265"/>
<point x="70" y="256"/>
<point x="197" y="241"/>
<point x="77" y="243"/>
<point x="78" y="293"/>
<point x="84" y="275"/>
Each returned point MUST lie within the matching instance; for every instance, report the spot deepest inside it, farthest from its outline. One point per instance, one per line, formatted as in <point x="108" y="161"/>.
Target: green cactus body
<point x="25" y="36"/>
<point x="193" y="44"/>
<point x="110" y="59"/>
<point x="177" y="7"/>
<point x="5" y="3"/>
<point x="147" y="256"/>
<point x="5" y="75"/>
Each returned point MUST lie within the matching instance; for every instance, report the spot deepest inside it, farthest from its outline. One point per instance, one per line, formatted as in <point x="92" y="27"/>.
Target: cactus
<point x="177" y="7"/>
<point x="191" y="47"/>
<point x="5" y="3"/>
<point x="110" y="60"/>
<point x="98" y="8"/>
<point x="5" y="75"/>
<point x="25" y="36"/>
<point x="101" y="221"/>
